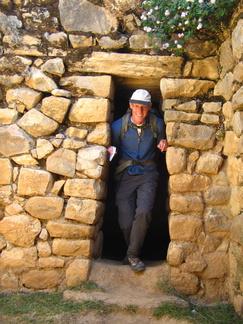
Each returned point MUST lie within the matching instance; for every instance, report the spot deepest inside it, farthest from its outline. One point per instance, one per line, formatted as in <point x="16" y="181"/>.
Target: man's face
<point x="139" y="112"/>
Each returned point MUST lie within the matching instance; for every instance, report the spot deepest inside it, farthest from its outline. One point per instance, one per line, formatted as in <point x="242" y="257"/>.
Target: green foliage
<point x="221" y="314"/>
<point x="170" y="22"/>
<point x="87" y="286"/>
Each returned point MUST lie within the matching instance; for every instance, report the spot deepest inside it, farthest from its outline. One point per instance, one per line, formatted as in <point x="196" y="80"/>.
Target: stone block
<point x="186" y="203"/>
<point x="6" y="194"/>
<point x="8" y="116"/>
<point x="42" y="279"/>
<point x="210" y="119"/>
<point x="44" y="207"/>
<point x="180" y="116"/>
<point x="217" y="196"/>
<point x="217" y="265"/>
<point x="224" y="87"/>
<point x="100" y="135"/>
<point x="185" y="283"/>
<point x="187" y="182"/>
<point x="237" y="36"/>
<point x="90" y="110"/>
<point x="34" y="182"/>
<point x="209" y="163"/>
<point x="37" y="80"/>
<point x="69" y="230"/>
<point x="43" y="249"/>
<point x="207" y="68"/>
<point x="20" y="230"/>
<point x="55" y="107"/>
<point x="77" y="272"/>
<point x="54" y="66"/>
<point x="63" y="247"/>
<point x="37" y="124"/>
<point x="14" y="141"/>
<point x="63" y="162"/>
<point x="236" y="232"/>
<point x="25" y="159"/>
<point x="18" y="258"/>
<point x="84" y="210"/>
<point x="216" y="223"/>
<point x="28" y="97"/>
<point x="43" y="148"/>
<point x="176" y="160"/>
<point x="79" y="41"/>
<point x="190" y="136"/>
<point x="237" y="122"/>
<point x="187" y="88"/>
<point x="175" y="254"/>
<point x="185" y="228"/>
<point x="85" y="188"/>
<point x="76" y="133"/>
<point x="6" y="172"/>
<point x="51" y="262"/>
<point x="231" y="144"/>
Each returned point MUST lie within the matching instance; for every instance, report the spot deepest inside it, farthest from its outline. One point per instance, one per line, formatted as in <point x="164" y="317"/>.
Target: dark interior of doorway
<point x="157" y="239"/>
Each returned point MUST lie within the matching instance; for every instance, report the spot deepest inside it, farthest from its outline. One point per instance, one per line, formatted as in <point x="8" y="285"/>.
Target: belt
<point x="124" y="163"/>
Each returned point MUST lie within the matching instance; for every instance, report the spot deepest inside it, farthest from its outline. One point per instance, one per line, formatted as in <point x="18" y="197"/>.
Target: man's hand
<point x="111" y="152"/>
<point x="163" y="145"/>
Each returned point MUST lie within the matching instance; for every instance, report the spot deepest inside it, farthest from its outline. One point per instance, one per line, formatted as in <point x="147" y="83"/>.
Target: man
<point x="135" y="138"/>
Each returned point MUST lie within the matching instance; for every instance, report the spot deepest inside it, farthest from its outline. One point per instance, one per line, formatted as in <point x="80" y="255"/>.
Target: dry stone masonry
<point x="59" y="66"/>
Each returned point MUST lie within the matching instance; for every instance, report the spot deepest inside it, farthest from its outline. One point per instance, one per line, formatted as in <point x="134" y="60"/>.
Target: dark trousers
<point x="135" y="198"/>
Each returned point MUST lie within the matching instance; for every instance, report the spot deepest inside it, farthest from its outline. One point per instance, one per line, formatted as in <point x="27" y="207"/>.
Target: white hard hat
<point x="141" y="96"/>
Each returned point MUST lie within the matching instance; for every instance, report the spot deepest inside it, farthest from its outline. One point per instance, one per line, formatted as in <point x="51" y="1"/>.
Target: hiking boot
<point x="136" y="264"/>
<point x="125" y="261"/>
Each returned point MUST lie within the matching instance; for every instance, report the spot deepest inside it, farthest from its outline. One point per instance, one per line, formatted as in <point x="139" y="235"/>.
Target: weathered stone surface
<point x="16" y="63"/>
<point x="55" y="107"/>
<point x="51" y="262"/>
<point x="77" y="272"/>
<point x="59" y="40"/>
<point x="212" y="107"/>
<point x="54" y="66"/>
<point x="84" y="210"/>
<point x="44" y="207"/>
<point x="190" y="106"/>
<point x="172" y="103"/>
<point x="209" y="163"/>
<point x="13" y="141"/>
<point x="185" y="283"/>
<point x="65" y="247"/>
<point x="194" y="48"/>
<point x="91" y="161"/>
<point x="86" y="17"/>
<point x="28" y="97"/>
<point x="18" y="258"/>
<point x="226" y="58"/>
<point x="108" y="43"/>
<point x="217" y="265"/>
<point x="6" y="193"/>
<point x="238" y="72"/>
<point x="78" y="41"/>
<point x="237" y="122"/>
<point x="188" y="88"/>
<point x="98" y="245"/>
<point x="186" y="203"/>
<point x="237" y="37"/>
<point x="64" y="229"/>
<point x="187" y="182"/>
<point x="206" y="69"/>
<point x="37" y="124"/>
<point x="34" y="182"/>
<point x="8" y="116"/>
<point x="217" y="196"/>
<point x="57" y="187"/>
<point x="100" y="86"/>
<point x="43" y="249"/>
<point x="100" y="135"/>
<point x="180" y="116"/>
<point x="210" y="119"/>
<point x="175" y="254"/>
<point x="175" y="160"/>
<point x="9" y="281"/>
<point x="42" y="279"/>
<point x="43" y="148"/>
<point x="231" y="142"/>
<point x="194" y="263"/>
<point x="6" y="172"/>
<point x="90" y="110"/>
<point x="25" y="159"/>
<point x="39" y="81"/>
<point x="61" y="93"/>
<point x="236" y="233"/>
<point x="62" y="161"/>
<point x="139" y="42"/>
<point x="237" y="101"/>
<point x="151" y="66"/>
<point x="20" y="230"/>
<point x="216" y="223"/>
<point x="10" y="80"/>
<point x="85" y="188"/>
<point x="76" y="133"/>
<point x="72" y="144"/>
<point x="190" y="136"/>
<point x="224" y="87"/>
<point x="185" y="228"/>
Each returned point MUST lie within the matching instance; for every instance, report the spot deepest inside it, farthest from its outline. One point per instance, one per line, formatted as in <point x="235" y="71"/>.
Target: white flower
<point x="213" y="1"/>
<point x="167" y="13"/>
<point x="176" y="41"/>
<point x="156" y="8"/>
<point x="199" y="26"/>
<point x="143" y="17"/>
<point x="200" y="1"/>
<point x="187" y="22"/>
<point x="180" y="35"/>
<point x="158" y="22"/>
<point x="166" y="45"/>
<point x="184" y="14"/>
<point x="179" y="46"/>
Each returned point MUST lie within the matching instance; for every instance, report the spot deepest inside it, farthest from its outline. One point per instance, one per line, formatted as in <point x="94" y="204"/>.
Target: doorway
<point x="157" y="239"/>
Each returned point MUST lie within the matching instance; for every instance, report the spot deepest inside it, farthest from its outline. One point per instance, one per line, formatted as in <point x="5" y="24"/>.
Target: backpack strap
<point x="125" y="121"/>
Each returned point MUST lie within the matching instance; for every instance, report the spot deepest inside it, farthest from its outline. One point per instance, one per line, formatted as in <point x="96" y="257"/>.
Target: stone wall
<point x="60" y="64"/>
